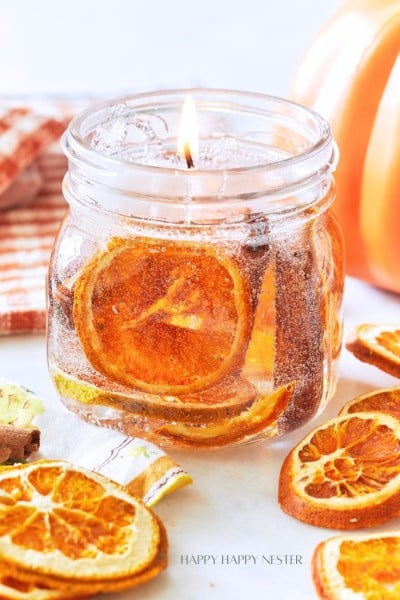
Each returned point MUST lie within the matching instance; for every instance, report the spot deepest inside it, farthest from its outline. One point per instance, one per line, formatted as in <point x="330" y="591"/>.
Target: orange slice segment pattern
<point x="378" y="345"/>
<point x="19" y="583"/>
<point x="73" y="523"/>
<point x="345" y="474"/>
<point x="363" y="566"/>
<point x="162" y="316"/>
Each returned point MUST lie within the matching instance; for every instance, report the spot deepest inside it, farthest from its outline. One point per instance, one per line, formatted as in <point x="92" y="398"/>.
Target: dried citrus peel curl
<point x="263" y="413"/>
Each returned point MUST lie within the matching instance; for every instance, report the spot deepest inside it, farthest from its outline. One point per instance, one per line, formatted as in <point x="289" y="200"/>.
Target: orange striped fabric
<point x="32" y="167"/>
<point x="27" y="233"/>
<point x="23" y="135"/>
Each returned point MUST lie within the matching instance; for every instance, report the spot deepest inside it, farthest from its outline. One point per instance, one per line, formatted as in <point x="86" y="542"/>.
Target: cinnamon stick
<point x="299" y="329"/>
<point x="17" y="443"/>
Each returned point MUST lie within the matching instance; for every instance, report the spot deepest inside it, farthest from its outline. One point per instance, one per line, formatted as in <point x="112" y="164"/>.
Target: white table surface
<point x="231" y="509"/>
<point x="110" y="46"/>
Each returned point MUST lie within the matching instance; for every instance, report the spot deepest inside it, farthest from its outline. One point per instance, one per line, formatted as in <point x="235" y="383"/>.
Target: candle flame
<point x="188" y="133"/>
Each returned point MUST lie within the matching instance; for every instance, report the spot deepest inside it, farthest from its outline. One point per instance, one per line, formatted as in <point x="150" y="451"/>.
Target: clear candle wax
<point x="198" y="307"/>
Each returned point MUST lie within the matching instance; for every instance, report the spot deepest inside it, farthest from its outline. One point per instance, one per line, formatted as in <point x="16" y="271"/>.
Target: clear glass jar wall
<point x="197" y="307"/>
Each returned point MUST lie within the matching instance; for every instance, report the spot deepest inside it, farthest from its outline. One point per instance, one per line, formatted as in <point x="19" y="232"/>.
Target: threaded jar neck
<point x="258" y="155"/>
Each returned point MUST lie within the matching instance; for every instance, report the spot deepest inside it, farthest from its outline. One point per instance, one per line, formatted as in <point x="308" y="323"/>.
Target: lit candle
<point x="188" y="132"/>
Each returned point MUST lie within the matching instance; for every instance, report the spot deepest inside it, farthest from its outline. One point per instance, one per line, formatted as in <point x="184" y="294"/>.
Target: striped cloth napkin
<point x="32" y="167"/>
<point x="27" y="234"/>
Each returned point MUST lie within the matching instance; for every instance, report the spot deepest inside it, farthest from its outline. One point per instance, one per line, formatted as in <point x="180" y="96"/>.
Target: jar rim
<point x="325" y="138"/>
<point x="282" y="125"/>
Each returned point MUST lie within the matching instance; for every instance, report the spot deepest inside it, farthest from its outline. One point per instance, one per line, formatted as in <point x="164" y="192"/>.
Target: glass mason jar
<point x="195" y="296"/>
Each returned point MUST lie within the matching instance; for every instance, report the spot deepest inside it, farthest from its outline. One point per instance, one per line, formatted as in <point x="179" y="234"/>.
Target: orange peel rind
<point x="13" y="588"/>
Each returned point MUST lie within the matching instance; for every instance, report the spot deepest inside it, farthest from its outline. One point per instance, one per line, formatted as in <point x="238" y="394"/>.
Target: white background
<point x="125" y="45"/>
<point x="108" y="47"/>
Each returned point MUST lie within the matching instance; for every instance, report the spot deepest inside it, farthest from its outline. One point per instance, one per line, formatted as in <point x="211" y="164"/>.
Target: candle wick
<point x="188" y="157"/>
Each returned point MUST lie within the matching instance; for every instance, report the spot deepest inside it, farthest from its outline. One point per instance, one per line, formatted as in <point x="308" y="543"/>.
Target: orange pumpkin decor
<point x="351" y="75"/>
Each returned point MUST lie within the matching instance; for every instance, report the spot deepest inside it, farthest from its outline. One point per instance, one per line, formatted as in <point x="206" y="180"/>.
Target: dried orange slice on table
<point x="64" y="528"/>
<point x="345" y="474"/>
<point x="12" y="588"/>
<point x="385" y="400"/>
<point x="378" y="345"/>
<point x="162" y="316"/>
<point x="359" y="567"/>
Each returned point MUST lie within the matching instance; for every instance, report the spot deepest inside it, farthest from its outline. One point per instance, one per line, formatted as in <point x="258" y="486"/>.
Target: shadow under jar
<point x="195" y="297"/>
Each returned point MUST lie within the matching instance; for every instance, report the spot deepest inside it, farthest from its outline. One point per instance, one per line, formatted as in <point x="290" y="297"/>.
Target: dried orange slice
<point x="263" y="413"/>
<point x="378" y="345"/>
<point x="386" y="400"/>
<point x="13" y="588"/>
<point x="163" y="316"/>
<point x="73" y="525"/>
<point x="358" y="567"/>
<point x="345" y="474"/>
<point x="31" y="585"/>
<point x="227" y="398"/>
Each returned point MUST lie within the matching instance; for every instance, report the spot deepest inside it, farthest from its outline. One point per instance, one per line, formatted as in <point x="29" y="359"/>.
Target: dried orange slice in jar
<point x="378" y="345"/>
<point x="385" y="400"/>
<point x="261" y="415"/>
<point x="359" y="566"/>
<point x="163" y="316"/>
<point x="228" y="398"/>
<point x="67" y="528"/>
<point x="345" y="474"/>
